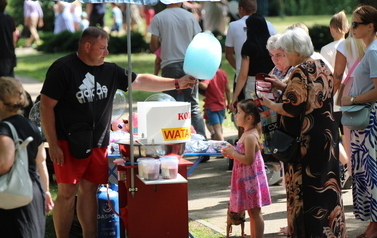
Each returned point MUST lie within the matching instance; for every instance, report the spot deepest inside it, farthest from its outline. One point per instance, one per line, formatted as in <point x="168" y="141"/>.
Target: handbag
<point x="285" y="147"/>
<point x="263" y="87"/>
<point x="355" y="117"/>
<point x="80" y="135"/>
<point x="80" y="140"/>
<point x="16" y="189"/>
<point x="338" y="100"/>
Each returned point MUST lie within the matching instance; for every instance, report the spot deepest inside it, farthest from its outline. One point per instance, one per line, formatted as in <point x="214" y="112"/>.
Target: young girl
<point x="249" y="186"/>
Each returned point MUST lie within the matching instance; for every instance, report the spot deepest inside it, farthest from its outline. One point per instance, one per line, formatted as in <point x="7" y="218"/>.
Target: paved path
<point x="209" y="195"/>
<point x="209" y="192"/>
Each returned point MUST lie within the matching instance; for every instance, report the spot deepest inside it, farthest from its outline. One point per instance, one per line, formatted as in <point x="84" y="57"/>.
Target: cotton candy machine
<point x="150" y="150"/>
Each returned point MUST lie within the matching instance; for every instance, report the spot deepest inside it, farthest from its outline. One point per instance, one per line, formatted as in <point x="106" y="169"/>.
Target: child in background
<point x="249" y="186"/>
<point x="217" y="99"/>
<point x="117" y="16"/>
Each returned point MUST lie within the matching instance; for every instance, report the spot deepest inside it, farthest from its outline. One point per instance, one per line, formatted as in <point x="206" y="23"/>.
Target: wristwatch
<point x="353" y="99"/>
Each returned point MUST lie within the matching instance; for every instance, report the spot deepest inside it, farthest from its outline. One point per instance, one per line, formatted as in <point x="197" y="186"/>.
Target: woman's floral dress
<point x="314" y="201"/>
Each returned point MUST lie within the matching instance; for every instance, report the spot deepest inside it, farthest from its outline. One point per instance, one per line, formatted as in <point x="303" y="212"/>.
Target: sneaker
<point x="275" y="178"/>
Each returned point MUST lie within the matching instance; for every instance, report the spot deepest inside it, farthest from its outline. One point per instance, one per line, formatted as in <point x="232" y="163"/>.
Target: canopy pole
<point x="132" y="189"/>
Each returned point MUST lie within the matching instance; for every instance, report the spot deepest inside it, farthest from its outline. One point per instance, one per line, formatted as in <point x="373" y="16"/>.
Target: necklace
<point x="249" y="129"/>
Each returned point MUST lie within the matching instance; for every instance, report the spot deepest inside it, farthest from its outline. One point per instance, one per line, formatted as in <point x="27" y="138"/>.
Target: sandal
<point x="284" y="230"/>
<point x="361" y="235"/>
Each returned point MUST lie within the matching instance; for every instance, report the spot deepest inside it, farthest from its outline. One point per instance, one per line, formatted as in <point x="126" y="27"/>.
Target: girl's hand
<point x="228" y="151"/>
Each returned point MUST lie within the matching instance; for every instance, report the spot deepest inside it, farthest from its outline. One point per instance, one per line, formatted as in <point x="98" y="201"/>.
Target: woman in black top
<point x="255" y="57"/>
<point x="29" y="220"/>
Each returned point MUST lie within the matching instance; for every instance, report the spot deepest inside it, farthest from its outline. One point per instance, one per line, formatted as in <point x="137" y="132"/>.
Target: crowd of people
<point x="305" y="83"/>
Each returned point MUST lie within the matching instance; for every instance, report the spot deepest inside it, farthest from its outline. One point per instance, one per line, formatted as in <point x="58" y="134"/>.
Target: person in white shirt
<point x="236" y="34"/>
<point x="338" y="29"/>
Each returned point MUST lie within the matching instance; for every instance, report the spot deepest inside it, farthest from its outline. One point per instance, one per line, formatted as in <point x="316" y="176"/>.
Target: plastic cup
<point x="140" y="165"/>
<point x="169" y="167"/>
<point x="151" y="169"/>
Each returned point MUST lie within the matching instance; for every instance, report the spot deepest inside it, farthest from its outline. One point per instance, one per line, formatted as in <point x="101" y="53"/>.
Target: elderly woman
<point x="282" y="68"/>
<point x="29" y="220"/>
<point x="314" y="203"/>
<point x="363" y="142"/>
<point x="277" y="76"/>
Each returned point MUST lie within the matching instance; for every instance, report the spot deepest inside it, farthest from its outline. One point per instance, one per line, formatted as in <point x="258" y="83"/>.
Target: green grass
<point x="281" y="23"/>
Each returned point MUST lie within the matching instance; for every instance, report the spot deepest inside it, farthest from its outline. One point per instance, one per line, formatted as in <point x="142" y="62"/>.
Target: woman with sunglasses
<point x="364" y="142"/>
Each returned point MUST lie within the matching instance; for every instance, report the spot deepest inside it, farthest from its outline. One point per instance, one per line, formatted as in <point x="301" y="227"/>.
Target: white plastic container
<point x="169" y="167"/>
<point x="140" y="166"/>
<point x="151" y="169"/>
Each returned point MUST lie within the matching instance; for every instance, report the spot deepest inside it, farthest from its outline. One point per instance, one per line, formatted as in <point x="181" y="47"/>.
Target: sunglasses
<point x="355" y="24"/>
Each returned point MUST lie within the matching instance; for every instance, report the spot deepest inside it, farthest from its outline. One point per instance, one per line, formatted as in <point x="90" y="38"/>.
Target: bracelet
<point x="176" y="84"/>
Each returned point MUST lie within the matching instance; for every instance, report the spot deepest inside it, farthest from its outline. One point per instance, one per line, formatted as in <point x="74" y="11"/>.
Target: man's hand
<point x="56" y="154"/>
<point x="187" y="81"/>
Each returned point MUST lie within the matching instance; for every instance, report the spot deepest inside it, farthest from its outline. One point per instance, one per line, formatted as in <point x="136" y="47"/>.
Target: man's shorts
<point x="94" y="168"/>
<point x="215" y="117"/>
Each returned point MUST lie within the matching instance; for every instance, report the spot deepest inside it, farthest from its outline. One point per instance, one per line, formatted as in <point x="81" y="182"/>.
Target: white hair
<point x="272" y="41"/>
<point x="296" y="40"/>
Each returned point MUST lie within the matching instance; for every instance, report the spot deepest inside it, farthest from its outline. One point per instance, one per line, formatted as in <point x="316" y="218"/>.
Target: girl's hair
<point x="299" y="25"/>
<point x="249" y="107"/>
<point x="354" y="46"/>
<point x="12" y="94"/>
<point x="257" y="36"/>
<point x="339" y="22"/>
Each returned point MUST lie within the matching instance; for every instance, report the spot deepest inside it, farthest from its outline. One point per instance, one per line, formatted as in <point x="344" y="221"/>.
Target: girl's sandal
<point x="361" y="235"/>
<point x="284" y="230"/>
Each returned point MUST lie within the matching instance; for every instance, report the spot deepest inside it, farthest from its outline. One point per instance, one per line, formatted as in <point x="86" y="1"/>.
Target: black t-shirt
<point x="71" y="82"/>
<point x="6" y="36"/>
<point x="25" y="128"/>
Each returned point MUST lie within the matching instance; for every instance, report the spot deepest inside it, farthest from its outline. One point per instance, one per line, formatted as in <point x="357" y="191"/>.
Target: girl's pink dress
<point x="249" y="186"/>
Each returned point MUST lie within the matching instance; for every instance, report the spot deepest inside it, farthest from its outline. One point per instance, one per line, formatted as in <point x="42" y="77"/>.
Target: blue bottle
<point x="108" y="207"/>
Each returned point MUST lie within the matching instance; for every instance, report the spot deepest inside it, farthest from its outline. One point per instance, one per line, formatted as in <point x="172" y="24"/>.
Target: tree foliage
<point x="310" y="7"/>
<point x="16" y="9"/>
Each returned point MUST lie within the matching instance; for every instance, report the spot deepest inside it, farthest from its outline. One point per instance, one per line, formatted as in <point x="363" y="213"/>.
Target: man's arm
<point x="229" y="55"/>
<point x="153" y="83"/>
<point x="155" y="43"/>
<point x="47" y="106"/>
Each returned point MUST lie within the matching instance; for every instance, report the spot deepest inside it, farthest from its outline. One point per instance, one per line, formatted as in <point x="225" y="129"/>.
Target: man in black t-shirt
<point x="79" y="88"/>
<point x="7" y="42"/>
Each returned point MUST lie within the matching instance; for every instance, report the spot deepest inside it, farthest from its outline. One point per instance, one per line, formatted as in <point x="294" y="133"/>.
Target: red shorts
<point x="95" y="168"/>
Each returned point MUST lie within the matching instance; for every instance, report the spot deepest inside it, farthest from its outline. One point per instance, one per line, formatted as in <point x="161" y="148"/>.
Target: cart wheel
<point x="205" y="158"/>
<point x="230" y="163"/>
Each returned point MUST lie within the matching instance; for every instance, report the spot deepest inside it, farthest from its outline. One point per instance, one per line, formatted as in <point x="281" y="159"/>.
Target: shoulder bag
<point x="285" y="147"/>
<point x="355" y="117"/>
<point x="80" y="135"/>
<point x="16" y="189"/>
<point x="338" y="100"/>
